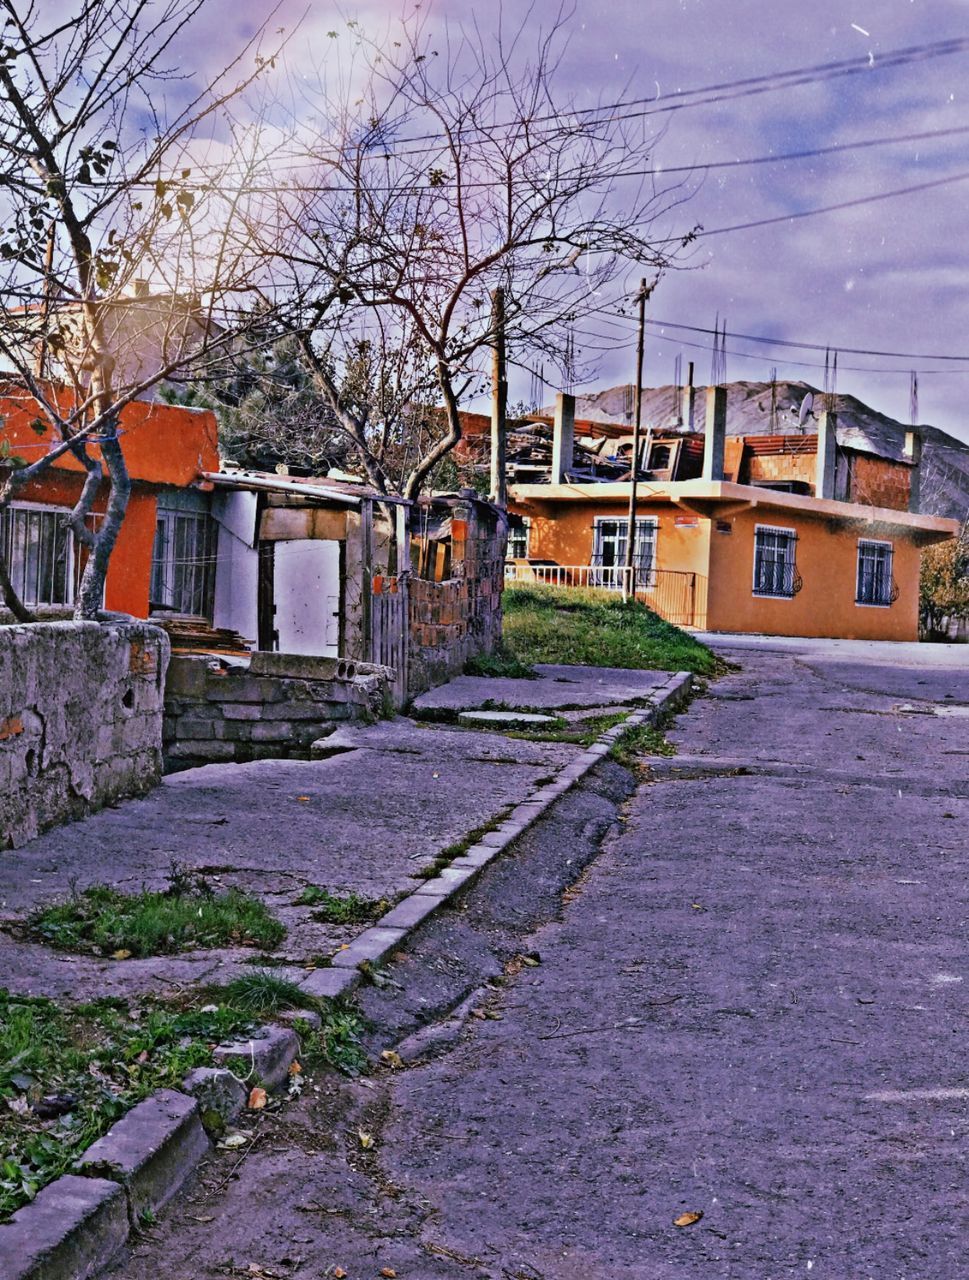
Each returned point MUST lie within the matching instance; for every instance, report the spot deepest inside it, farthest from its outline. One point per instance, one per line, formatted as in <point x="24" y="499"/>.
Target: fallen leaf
<point x="257" y="1099"/>
<point x="366" y="1139"/>
<point x="202" y="1217"/>
<point x="19" y="1105"/>
<point x="392" y="1059"/>
<point x="302" y="799"/>
<point x="295" y="1069"/>
<point x="688" y="1219"/>
<point x="339" y="1274"/>
<point x="389" y="1272"/>
<point x="121" y="955"/>
<point x="233" y="1140"/>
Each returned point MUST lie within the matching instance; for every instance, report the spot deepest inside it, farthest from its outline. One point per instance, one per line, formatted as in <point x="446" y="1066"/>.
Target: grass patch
<point x="596" y="629"/>
<point x="638" y="741"/>
<point x="335" y="908"/>
<point x="501" y="665"/>
<point x="102" y="921"/>
<point x="68" y="1073"/>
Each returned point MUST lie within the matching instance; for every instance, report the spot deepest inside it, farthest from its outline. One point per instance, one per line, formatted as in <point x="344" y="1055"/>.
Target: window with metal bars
<point x="609" y="538"/>
<point x="775" y="563"/>
<point x="38" y="550"/>
<point x="518" y="527"/>
<point x="875" y="584"/>
<point x="183" y="562"/>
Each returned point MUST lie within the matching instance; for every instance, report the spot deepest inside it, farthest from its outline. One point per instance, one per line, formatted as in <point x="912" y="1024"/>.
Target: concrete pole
<point x="714" y="433"/>
<point x="563" y="436"/>
<point x="499" y="401"/>
<point x="629" y="577"/>
<point x="824" y="473"/>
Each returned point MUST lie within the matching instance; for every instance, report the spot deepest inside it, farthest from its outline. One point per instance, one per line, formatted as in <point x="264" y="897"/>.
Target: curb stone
<point x="72" y="1230"/>
<point x="150" y="1151"/>
<point x="393" y="930"/>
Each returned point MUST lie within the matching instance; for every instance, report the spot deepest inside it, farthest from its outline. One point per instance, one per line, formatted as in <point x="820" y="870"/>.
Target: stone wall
<point x="80" y="720"/>
<point x="275" y="707"/>
<point x="457" y="619"/>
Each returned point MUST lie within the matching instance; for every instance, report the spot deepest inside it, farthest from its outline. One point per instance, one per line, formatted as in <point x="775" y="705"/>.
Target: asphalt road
<point x="751" y="1007"/>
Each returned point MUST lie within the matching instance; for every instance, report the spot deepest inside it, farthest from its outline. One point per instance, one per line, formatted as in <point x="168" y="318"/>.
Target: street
<point x="751" y="1007"/>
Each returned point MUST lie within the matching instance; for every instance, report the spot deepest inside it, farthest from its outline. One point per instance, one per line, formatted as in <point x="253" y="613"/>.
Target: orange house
<point x="166" y="447"/>
<point x="754" y="540"/>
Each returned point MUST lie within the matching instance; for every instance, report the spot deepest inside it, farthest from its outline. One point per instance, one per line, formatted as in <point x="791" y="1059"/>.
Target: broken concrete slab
<point x="555" y="687"/>
<point x="330" y="984"/>
<point x="150" y="1151"/>
<point x="369" y="948"/>
<point x="71" y="1231"/>
<point x="505" y="719"/>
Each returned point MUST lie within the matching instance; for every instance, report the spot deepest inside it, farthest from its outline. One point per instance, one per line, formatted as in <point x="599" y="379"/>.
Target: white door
<point x="306" y="596"/>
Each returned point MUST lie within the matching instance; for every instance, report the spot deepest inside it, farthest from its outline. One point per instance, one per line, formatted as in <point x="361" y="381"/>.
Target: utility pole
<point x="499" y="400"/>
<point x="629" y="576"/>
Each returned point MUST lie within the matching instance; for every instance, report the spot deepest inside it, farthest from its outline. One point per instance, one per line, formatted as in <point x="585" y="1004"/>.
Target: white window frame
<point x="642" y="522"/>
<point x="69" y="568"/>
<point x="165" y="568"/>
<point x="788" y="533"/>
<point x="890" y="565"/>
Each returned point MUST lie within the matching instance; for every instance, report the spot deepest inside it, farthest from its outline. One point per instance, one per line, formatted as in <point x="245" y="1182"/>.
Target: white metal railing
<point x="671" y="593"/>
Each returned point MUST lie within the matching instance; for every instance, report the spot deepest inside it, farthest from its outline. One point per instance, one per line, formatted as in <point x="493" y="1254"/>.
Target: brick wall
<point x="878" y="482"/>
<point x="80" y="720"/>
<point x="451" y="621"/>
<point x="274" y="709"/>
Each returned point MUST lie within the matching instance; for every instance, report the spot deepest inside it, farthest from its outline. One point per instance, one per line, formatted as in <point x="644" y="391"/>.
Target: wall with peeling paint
<point x="80" y="720"/>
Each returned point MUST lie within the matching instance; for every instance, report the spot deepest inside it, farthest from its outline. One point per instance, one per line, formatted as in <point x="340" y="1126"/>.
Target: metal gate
<point x="389" y="629"/>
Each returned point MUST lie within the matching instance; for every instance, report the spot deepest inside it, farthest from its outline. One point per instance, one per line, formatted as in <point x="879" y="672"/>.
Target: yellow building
<point x="756" y="542"/>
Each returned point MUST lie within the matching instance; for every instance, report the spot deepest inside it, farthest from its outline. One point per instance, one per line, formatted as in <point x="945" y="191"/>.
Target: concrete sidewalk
<point x="364" y="820"/>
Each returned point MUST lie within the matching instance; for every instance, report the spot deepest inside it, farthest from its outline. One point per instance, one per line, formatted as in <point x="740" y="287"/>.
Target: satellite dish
<point x="806" y="410"/>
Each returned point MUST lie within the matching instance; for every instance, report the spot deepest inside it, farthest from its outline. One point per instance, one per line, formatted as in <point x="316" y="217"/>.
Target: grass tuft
<point x="105" y="922"/>
<point x="264" y="992"/>
<point x="501" y="665"/>
<point x="596" y="629"/>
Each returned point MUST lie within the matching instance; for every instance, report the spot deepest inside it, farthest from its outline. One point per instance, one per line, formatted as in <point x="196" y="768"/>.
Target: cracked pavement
<point x="751" y="1004"/>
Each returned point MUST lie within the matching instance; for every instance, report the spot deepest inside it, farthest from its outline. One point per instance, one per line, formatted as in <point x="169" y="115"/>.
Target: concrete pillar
<point x="688" y="402"/>
<point x="563" y="436"/>
<point x="913" y="452"/>
<point x="714" y="433"/>
<point x="826" y="456"/>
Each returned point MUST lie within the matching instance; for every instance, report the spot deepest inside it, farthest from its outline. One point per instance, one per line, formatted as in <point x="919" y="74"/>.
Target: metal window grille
<point x="38" y="550"/>
<point x="775" y="567"/>
<point x="609" y="551"/>
<point x="876" y="584"/>
<point x="518" y="540"/>
<point x="183" y="562"/>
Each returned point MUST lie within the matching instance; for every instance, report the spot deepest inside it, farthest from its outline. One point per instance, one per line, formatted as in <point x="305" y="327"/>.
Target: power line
<point x="808" y="346"/>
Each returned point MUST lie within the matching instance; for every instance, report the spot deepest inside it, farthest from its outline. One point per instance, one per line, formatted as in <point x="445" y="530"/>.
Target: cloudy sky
<point x="888" y="276"/>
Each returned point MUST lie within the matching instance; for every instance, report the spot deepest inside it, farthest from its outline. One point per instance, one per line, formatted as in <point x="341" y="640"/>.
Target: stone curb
<point x="78" y="1224"/>
<point x="392" y="930"/>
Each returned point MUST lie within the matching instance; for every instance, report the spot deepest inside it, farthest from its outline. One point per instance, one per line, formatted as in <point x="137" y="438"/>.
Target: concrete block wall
<point x="216" y="712"/>
<point x="454" y="620"/>
<point x="80" y="720"/>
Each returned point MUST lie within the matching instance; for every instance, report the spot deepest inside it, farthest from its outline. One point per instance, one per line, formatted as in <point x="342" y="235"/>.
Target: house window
<point x="183" y="561"/>
<point x="875" y="582"/>
<point x="38" y="550"/>
<point x="609" y="551"/>
<point x="518" y="527"/>
<point x="775" y="568"/>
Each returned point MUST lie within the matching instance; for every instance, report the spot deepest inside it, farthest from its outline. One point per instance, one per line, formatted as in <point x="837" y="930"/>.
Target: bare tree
<point x="100" y="200"/>
<point x="428" y="171"/>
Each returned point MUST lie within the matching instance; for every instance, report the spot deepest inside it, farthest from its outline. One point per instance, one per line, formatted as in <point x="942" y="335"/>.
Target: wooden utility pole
<point x="499" y="400"/>
<point x="629" y="577"/>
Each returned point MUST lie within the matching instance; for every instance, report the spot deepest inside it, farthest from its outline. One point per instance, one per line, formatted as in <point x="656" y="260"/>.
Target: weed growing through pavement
<point x="263" y="992"/>
<point x="336" y="908"/>
<point x="452" y="851"/>
<point x="638" y="741"/>
<point x="105" y="922"/>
